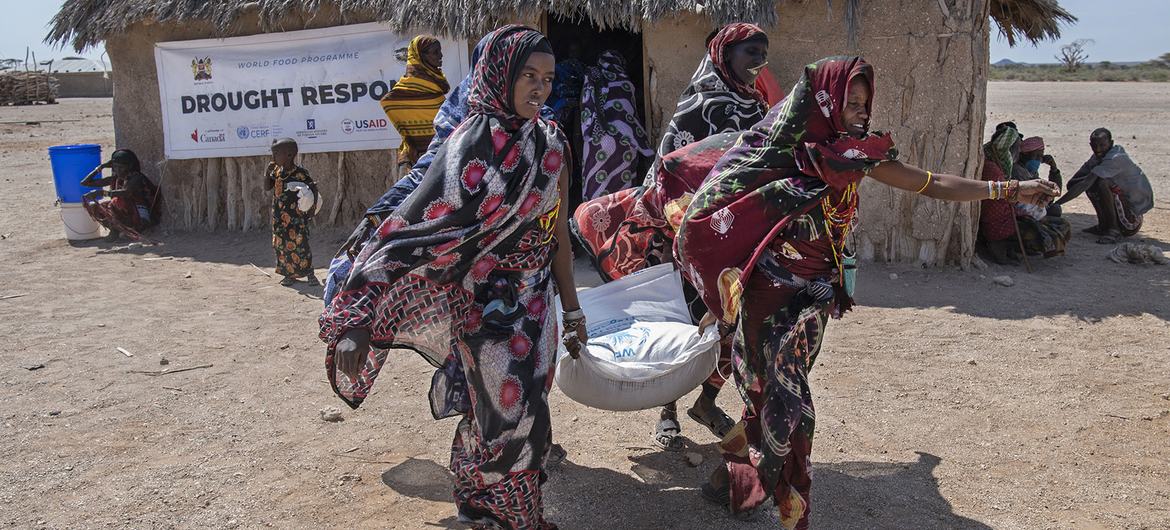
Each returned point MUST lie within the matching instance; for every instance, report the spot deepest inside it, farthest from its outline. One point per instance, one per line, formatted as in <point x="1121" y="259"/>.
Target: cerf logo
<point x="201" y="68"/>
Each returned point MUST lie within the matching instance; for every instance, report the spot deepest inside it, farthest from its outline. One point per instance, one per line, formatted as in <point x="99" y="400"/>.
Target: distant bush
<point x="1152" y="71"/>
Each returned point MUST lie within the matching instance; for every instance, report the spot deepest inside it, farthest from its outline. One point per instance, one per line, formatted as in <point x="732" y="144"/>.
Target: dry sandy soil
<point x="944" y="401"/>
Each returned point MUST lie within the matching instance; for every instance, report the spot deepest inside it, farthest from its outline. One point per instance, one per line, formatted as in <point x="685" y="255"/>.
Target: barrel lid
<point x="73" y="147"/>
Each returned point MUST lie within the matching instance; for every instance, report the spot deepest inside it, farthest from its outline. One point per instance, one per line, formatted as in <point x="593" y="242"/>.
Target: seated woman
<point x="763" y="240"/>
<point x="1003" y="227"/>
<point x="131" y="204"/>
<point x="1031" y="156"/>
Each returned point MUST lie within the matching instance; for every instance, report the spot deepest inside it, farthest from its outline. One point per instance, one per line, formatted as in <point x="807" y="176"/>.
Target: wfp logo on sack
<point x="624" y="344"/>
<point x="349" y="126"/>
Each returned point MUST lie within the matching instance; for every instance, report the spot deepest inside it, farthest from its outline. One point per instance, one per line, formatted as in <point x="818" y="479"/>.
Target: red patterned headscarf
<point x="505" y="53"/>
<point x="720" y="46"/>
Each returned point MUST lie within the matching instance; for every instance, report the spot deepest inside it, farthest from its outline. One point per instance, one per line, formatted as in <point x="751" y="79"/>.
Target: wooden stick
<point x="124" y="352"/>
<point x="364" y="460"/>
<point x="159" y="258"/>
<point x="1020" y="242"/>
<point x="11" y="296"/>
<point x="30" y="122"/>
<point x="262" y="271"/>
<point x="154" y="373"/>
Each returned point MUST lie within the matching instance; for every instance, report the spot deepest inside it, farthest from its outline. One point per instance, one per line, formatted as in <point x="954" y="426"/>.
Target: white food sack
<point x="306" y="199"/>
<point x="643" y="351"/>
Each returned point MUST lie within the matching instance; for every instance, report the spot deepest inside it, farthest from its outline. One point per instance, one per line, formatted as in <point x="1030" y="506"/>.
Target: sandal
<point x="669" y="434"/>
<point x="718" y="496"/>
<point x="1095" y="230"/>
<point x="722" y="497"/>
<point x="556" y="455"/>
<point x="1111" y="237"/>
<point x="719" y="426"/>
<point x="313" y="281"/>
<point x="288" y="281"/>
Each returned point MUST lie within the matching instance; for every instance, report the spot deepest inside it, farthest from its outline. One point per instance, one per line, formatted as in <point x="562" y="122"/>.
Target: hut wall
<point x="84" y="84"/>
<point x="227" y="193"/>
<point x="931" y="59"/>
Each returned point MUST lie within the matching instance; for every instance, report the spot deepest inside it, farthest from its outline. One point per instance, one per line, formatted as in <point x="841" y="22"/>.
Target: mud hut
<point x="931" y="57"/>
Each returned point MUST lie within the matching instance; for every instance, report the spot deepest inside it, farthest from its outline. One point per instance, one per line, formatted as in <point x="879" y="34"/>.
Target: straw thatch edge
<point x="84" y="23"/>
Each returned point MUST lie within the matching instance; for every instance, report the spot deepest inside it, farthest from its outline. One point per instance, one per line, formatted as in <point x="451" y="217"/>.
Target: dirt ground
<point x="944" y="401"/>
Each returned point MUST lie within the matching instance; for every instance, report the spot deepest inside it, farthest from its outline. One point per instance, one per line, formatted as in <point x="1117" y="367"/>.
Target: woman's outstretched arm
<point x="953" y="187"/>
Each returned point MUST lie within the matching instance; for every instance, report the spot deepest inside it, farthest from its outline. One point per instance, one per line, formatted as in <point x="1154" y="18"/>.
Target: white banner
<point x="232" y="97"/>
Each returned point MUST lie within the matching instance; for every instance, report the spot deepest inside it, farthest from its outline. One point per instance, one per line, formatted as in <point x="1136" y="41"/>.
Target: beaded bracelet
<point x="1012" y="191"/>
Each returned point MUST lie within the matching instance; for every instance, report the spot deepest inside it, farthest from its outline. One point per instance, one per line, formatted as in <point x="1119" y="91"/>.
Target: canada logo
<point x="195" y="135"/>
<point x="201" y="68"/>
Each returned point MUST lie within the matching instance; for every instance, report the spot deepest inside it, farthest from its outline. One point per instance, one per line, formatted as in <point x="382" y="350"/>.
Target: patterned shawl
<point x="615" y="143"/>
<point x="494" y="179"/>
<point x="415" y="98"/>
<point x="997" y="219"/>
<point x="715" y="101"/>
<point x="778" y="172"/>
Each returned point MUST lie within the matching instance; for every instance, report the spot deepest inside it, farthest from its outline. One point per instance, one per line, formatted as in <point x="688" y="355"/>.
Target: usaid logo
<point x="348" y="126"/>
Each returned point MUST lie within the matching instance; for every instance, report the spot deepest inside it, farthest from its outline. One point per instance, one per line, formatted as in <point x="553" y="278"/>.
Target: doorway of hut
<point x="578" y="44"/>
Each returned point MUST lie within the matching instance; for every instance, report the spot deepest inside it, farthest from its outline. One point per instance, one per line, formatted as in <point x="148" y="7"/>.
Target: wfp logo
<point x="348" y="126"/>
<point x="242" y="132"/>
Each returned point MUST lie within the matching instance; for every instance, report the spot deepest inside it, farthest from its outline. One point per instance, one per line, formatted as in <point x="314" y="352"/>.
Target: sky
<point x="26" y="22"/>
<point x="1122" y="30"/>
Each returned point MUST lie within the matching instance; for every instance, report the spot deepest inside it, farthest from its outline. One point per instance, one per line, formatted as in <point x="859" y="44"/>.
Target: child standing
<point x="290" y="225"/>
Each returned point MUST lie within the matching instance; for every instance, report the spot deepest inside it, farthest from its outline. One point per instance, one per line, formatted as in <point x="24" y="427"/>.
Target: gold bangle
<point x="926" y="184"/>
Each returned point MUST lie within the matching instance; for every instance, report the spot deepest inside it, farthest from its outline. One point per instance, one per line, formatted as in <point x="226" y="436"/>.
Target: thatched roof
<point x="1033" y="20"/>
<point x="83" y="23"/>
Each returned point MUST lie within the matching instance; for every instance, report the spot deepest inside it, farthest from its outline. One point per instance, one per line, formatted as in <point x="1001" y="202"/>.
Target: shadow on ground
<point x="234" y="248"/>
<point x="662" y="493"/>
<point x="1082" y="283"/>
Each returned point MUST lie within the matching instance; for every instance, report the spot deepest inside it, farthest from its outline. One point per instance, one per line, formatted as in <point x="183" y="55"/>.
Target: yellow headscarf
<point x="414" y="100"/>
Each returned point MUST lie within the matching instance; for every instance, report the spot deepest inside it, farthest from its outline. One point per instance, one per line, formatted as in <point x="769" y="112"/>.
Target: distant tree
<point x="1073" y="55"/>
<point x="1105" y="65"/>
<point x="1163" y="61"/>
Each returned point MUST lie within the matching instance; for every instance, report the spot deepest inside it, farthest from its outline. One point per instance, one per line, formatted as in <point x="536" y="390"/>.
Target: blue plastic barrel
<point x="71" y="163"/>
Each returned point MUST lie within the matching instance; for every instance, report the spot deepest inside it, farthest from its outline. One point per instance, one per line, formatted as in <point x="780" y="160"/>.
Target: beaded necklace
<point x="838" y="219"/>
